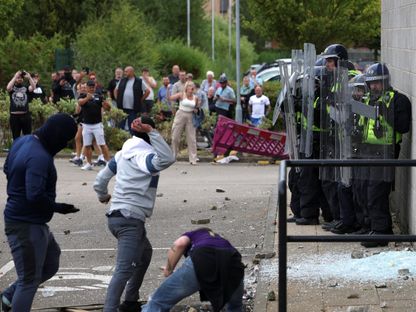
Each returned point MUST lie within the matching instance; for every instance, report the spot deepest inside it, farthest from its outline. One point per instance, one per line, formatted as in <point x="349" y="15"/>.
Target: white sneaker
<point x="87" y="166"/>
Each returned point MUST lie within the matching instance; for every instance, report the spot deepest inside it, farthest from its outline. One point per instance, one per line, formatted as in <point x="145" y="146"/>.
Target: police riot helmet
<point x="318" y="71"/>
<point x="320" y="62"/>
<point x="358" y="81"/>
<point x="336" y="50"/>
<point x="378" y="72"/>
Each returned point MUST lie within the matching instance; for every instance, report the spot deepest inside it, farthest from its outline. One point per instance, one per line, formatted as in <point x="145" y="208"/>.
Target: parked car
<point x="272" y="71"/>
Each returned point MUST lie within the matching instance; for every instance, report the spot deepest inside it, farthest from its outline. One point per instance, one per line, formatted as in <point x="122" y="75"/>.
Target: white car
<point x="271" y="71"/>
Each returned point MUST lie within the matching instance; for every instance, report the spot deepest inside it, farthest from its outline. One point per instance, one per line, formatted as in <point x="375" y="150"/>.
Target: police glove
<point x="65" y="208"/>
<point x="378" y="132"/>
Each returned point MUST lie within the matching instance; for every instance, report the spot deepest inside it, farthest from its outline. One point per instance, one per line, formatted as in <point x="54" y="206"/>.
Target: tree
<point x="34" y="54"/>
<point x="120" y="39"/>
<point x="9" y="9"/>
<point x="169" y="18"/>
<point x="322" y="22"/>
<point x="223" y="63"/>
<point x="57" y="16"/>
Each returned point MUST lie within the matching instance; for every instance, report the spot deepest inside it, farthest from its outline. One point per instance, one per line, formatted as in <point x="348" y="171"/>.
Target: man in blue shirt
<point x="31" y="184"/>
<point x="225" y="97"/>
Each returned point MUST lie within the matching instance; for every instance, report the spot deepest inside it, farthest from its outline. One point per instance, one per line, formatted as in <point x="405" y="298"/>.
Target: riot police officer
<point x="381" y="138"/>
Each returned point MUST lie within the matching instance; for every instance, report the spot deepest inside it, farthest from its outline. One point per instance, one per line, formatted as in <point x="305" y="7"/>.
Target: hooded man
<point x="31" y="184"/>
<point x="136" y="168"/>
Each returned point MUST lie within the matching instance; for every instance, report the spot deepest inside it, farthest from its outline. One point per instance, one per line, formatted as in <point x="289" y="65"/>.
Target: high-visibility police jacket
<point x="394" y="119"/>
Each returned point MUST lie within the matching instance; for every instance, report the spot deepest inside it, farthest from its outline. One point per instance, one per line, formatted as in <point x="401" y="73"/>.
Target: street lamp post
<point x="238" y="109"/>
<point x="188" y="18"/>
<point x="212" y="29"/>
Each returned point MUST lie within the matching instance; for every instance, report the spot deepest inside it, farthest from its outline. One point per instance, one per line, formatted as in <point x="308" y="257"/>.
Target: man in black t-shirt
<point x="92" y="126"/>
<point x="20" y="96"/>
<point x="118" y="74"/>
<point x="39" y="91"/>
<point x="63" y="89"/>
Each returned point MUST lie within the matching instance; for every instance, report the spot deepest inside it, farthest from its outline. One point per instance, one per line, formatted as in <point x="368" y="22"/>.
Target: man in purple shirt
<point x="212" y="266"/>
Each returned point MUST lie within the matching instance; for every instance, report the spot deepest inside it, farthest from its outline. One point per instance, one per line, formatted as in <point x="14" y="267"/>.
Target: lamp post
<point x="188" y="18"/>
<point x="238" y="109"/>
<point x="212" y="29"/>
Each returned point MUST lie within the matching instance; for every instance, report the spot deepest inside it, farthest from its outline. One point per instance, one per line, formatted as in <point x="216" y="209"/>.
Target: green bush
<point x="188" y="58"/>
<point x="115" y="137"/>
<point x="222" y="62"/>
<point x="268" y="56"/>
<point x="120" y="39"/>
<point x="41" y="112"/>
<point x="35" y="54"/>
<point x="66" y="106"/>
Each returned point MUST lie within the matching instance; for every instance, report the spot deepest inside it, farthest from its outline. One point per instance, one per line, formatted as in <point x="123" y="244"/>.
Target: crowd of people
<point x="181" y="98"/>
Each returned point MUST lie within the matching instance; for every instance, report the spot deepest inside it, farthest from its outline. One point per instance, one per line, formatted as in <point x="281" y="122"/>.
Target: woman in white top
<point x="188" y="103"/>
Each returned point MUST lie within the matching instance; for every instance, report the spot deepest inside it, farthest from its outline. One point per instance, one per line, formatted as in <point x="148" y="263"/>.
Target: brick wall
<point x="398" y="51"/>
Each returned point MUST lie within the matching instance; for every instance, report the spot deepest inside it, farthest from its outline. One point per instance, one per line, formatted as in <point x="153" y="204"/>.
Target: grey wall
<point x="398" y="50"/>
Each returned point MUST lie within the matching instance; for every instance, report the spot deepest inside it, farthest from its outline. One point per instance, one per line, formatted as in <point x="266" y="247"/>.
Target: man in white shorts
<point x="259" y="106"/>
<point x="92" y="126"/>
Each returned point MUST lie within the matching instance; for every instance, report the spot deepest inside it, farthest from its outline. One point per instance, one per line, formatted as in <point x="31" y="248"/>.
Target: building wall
<point x="220" y="6"/>
<point x="398" y="51"/>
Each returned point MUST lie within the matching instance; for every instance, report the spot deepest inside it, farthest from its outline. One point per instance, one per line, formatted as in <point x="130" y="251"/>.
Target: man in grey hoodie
<point x="136" y="168"/>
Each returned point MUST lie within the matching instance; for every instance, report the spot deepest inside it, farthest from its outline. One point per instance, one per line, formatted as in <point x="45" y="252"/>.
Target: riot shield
<point x="296" y="67"/>
<point x="297" y="61"/>
<point x="342" y="118"/>
<point x="308" y="97"/>
<point x="374" y="128"/>
<point x="290" y="114"/>
<point x="327" y="122"/>
<point x="278" y="107"/>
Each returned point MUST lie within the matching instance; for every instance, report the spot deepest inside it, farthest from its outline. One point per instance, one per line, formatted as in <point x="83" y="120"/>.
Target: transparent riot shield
<point x="342" y="118"/>
<point x="297" y="61"/>
<point x="296" y="69"/>
<point x="308" y="97"/>
<point x="373" y="127"/>
<point x="290" y="114"/>
<point x="278" y="107"/>
<point x="327" y="125"/>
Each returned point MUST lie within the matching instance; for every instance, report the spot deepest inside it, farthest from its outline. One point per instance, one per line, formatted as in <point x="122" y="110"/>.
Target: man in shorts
<point x="92" y="126"/>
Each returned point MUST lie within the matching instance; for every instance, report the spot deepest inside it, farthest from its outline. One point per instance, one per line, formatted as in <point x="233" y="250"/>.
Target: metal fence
<point x="282" y="215"/>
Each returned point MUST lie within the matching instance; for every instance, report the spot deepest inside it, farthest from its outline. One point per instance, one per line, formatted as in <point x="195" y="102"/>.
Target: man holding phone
<point x="20" y="96"/>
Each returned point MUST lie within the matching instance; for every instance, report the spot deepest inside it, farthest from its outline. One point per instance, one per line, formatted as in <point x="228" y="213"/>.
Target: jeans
<point x="36" y="258"/>
<point x="183" y="283"/>
<point x="134" y="253"/>
<point x="131" y="115"/>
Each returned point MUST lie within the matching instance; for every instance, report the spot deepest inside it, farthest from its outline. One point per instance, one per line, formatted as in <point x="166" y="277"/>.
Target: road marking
<point x="10" y="265"/>
<point x="114" y="249"/>
<point x="6" y="268"/>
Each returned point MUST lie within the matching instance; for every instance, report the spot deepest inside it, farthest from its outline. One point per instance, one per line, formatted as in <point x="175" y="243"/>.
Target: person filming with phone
<point x="20" y="96"/>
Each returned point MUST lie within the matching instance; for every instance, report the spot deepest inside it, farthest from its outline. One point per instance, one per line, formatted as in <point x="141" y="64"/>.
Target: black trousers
<point x="20" y="123"/>
<point x="311" y="195"/>
<point x="330" y="190"/>
<point x="347" y="205"/>
<point x="378" y="206"/>
<point x="293" y="182"/>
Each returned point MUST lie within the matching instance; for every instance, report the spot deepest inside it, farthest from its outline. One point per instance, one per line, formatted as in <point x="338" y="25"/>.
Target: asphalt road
<point x="185" y="193"/>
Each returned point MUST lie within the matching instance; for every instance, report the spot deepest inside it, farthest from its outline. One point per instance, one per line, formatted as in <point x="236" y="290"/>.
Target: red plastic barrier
<point x="231" y="135"/>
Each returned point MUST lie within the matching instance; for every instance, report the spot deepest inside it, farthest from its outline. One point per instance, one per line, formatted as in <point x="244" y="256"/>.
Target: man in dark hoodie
<point x="31" y="185"/>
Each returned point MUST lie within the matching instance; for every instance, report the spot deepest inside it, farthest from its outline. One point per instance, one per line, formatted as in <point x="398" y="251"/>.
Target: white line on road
<point x="6" y="268"/>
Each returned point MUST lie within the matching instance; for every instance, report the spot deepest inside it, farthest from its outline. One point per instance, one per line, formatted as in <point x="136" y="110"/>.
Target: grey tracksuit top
<point x="136" y="168"/>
